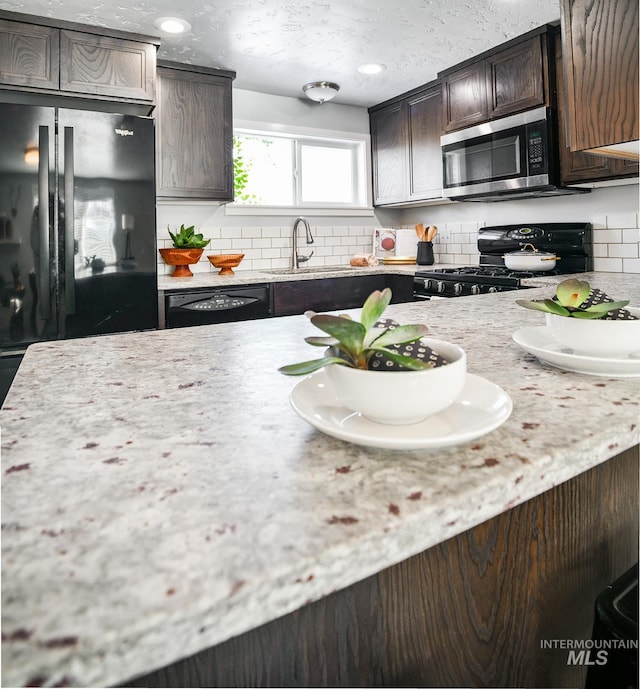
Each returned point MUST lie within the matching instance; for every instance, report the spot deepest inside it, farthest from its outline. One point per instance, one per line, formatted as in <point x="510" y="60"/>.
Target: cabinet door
<point x="29" y="55"/>
<point x="194" y="129"/>
<point x="516" y="79"/>
<point x="425" y="154"/>
<point x="626" y="168"/>
<point x="324" y="294"/>
<point x="464" y="93"/>
<point x="99" y="65"/>
<point x="389" y="158"/>
<point x="579" y="166"/>
<point x="600" y="49"/>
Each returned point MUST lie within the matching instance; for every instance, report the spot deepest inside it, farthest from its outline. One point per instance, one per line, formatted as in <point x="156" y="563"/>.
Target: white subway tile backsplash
<point x="599" y="222"/>
<point x="608" y="265"/>
<point x="616" y="246"/>
<point x="270" y="231"/>
<point x="619" y="220"/>
<point x="607" y="236"/>
<point x="631" y="265"/>
<point x="623" y="250"/>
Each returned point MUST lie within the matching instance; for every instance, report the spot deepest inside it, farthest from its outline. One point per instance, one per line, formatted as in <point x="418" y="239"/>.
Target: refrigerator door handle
<point x="44" y="268"/>
<point x="69" y="239"/>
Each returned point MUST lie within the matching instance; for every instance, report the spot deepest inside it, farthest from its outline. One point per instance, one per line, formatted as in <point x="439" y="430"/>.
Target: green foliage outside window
<point x="241" y="168"/>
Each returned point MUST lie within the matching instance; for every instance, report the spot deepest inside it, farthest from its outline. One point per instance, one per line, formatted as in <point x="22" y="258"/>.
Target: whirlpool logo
<point x="123" y="132"/>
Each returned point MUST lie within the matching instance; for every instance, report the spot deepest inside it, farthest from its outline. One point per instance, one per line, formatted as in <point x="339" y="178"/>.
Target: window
<point x="298" y="171"/>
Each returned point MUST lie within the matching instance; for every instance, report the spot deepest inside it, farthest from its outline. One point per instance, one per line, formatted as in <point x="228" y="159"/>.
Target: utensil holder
<point x="424" y="256"/>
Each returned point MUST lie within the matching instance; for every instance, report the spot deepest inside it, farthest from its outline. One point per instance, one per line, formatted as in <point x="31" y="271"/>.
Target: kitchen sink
<point x="303" y="271"/>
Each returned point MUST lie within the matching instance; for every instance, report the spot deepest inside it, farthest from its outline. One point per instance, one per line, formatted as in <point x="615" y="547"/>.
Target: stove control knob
<point x="428" y="284"/>
<point x="440" y="286"/>
<point x="475" y="289"/>
<point x="493" y="289"/>
<point x="457" y="288"/>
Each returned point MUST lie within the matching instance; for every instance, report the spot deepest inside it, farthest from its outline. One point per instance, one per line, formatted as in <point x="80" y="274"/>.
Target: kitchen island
<point x="162" y="501"/>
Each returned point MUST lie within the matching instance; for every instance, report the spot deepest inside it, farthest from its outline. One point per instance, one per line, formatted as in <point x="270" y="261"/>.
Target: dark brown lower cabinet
<point x="473" y="611"/>
<point x="330" y="294"/>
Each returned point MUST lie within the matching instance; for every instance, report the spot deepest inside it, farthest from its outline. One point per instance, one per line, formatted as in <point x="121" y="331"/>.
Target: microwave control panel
<point x="536" y="148"/>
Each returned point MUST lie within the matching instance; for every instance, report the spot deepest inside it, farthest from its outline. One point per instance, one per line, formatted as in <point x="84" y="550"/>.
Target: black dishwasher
<point x="217" y="305"/>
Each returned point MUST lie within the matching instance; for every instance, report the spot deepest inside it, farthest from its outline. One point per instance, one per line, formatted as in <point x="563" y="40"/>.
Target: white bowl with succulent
<point x="604" y="329"/>
<point x="407" y="395"/>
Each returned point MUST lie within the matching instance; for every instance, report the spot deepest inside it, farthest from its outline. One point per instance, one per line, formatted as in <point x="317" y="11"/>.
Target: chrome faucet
<point x="296" y="258"/>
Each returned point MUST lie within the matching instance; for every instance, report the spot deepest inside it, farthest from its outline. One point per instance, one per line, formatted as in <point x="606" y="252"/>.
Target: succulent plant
<point x="570" y="296"/>
<point x="187" y="238"/>
<point x="352" y="343"/>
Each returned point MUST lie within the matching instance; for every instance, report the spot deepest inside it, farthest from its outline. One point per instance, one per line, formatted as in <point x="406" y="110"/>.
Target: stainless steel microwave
<point x="512" y="157"/>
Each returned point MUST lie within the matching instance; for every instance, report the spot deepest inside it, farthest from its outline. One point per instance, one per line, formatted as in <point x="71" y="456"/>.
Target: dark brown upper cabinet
<point x="578" y="166"/>
<point x="424" y="116"/>
<point x="405" y="145"/>
<point x="42" y="56"/>
<point x="600" y="52"/>
<point x="194" y="129"/>
<point x="507" y="79"/>
<point x="389" y="153"/>
<point x="29" y="55"/>
<point x="106" y="66"/>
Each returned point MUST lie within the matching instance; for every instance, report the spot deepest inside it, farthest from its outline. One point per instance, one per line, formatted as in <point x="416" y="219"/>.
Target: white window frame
<point x="359" y="143"/>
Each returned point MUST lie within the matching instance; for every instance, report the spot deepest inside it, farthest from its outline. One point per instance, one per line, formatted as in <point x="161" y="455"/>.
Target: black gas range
<point x="570" y="242"/>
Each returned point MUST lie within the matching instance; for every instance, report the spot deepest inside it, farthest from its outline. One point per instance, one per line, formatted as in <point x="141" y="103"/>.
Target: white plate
<point x="538" y="341"/>
<point x="480" y="408"/>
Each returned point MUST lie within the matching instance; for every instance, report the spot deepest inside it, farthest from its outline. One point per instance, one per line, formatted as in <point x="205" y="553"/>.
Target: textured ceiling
<point x="276" y="46"/>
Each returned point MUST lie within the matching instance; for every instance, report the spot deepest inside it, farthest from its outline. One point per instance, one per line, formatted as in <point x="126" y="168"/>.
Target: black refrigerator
<point x="77" y="224"/>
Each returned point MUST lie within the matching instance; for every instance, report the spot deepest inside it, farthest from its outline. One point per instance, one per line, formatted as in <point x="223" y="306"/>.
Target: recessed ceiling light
<point x="172" y="25"/>
<point x="372" y="68"/>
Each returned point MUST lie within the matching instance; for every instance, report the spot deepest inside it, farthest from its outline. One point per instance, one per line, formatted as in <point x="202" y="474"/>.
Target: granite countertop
<point x="159" y="494"/>
<point x="248" y="277"/>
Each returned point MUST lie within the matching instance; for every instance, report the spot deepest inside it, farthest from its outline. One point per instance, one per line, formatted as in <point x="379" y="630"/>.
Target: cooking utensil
<point x="431" y="233"/>
<point x="420" y="232"/>
<point x="530" y="259"/>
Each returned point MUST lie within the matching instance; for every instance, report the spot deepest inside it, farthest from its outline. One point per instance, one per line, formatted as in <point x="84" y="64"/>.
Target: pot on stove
<point x="530" y="259"/>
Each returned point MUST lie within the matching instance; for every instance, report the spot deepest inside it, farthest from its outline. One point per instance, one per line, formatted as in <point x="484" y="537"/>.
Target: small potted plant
<point x="588" y="321"/>
<point x="186" y="250"/>
<point x="413" y="390"/>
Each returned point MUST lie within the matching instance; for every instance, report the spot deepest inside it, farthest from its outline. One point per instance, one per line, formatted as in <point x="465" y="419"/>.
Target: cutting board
<point x="406" y="243"/>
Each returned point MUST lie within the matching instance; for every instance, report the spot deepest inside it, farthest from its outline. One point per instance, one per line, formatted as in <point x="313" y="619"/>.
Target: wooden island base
<point x="470" y="612"/>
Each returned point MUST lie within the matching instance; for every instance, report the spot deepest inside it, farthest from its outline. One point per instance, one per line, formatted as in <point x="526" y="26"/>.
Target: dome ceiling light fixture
<point x="173" y="25"/>
<point x="321" y="91"/>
